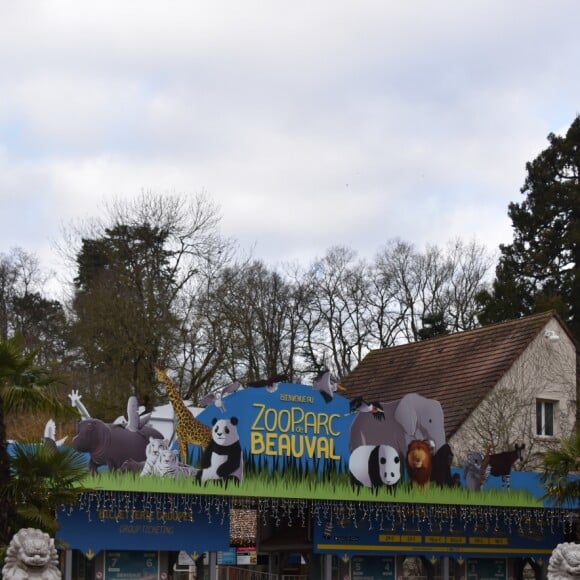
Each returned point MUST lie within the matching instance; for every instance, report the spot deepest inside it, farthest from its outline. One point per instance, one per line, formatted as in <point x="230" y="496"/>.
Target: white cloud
<point x="310" y="124"/>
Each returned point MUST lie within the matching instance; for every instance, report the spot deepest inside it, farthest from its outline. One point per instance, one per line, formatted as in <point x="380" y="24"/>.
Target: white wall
<point x="545" y="370"/>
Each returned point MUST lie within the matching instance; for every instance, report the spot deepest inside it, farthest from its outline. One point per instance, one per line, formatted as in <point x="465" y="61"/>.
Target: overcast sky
<point x="309" y="123"/>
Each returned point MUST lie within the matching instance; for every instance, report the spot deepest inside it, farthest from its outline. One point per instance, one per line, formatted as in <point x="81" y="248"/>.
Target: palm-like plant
<point x="561" y="472"/>
<point x="43" y="479"/>
<point x="24" y="387"/>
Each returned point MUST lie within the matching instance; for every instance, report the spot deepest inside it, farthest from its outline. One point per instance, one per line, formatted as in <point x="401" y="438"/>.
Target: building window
<point x="545" y="414"/>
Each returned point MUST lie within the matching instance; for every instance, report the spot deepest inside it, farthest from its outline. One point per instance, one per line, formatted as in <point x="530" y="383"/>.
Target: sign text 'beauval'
<point x="293" y="432"/>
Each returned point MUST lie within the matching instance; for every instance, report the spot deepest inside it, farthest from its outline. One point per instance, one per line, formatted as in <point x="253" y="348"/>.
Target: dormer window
<point x="545" y="416"/>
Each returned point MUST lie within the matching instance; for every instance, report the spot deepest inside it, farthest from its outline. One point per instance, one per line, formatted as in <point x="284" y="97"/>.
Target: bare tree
<point x="260" y="307"/>
<point x="24" y="310"/>
<point x="397" y="263"/>
<point x="204" y="336"/>
<point x="388" y="313"/>
<point x="471" y="265"/>
<point x="20" y="275"/>
<point x="337" y="319"/>
<point x="156" y="284"/>
<point x="403" y="296"/>
<point x="415" y="288"/>
<point x="133" y="267"/>
<point x="8" y="283"/>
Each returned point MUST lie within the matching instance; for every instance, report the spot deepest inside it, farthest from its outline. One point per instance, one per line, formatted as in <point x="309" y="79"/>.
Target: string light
<point x="243" y="514"/>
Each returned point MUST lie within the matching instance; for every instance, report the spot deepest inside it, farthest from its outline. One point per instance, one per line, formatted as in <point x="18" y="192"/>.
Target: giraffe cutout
<point x="188" y="429"/>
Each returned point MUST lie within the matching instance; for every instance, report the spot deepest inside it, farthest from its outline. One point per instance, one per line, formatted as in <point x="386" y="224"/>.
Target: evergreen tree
<point x="434" y="324"/>
<point x="122" y="308"/>
<point x="140" y="274"/>
<point x="24" y="387"/>
<point x="559" y="465"/>
<point x="539" y="269"/>
<point x="44" y="479"/>
<point x="42" y="325"/>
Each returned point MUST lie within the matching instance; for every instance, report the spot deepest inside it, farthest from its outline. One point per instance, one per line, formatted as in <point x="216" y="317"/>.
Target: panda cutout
<point x="222" y="458"/>
<point x="374" y="465"/>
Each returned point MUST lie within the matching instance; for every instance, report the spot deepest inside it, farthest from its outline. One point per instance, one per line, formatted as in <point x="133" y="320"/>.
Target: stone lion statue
<point x="564" y="562"/>
<point x="31" y="555"/>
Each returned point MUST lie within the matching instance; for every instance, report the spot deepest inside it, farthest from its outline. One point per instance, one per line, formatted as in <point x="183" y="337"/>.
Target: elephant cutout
<point x="412" y="417"/>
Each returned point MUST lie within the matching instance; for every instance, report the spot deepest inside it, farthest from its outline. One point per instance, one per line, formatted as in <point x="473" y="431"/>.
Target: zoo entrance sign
<point x="295" y="426"/>
<point x="294" y="441"/>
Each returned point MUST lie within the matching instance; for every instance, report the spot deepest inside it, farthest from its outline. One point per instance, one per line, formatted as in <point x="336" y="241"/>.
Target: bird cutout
<point x="49" y="438"/>
<point x="135" y="420"/>
<point x="75" y="401"/>
<point x="359" y="405"/>
<point x="551" y="335"/>
<point x="217" y="397"/>
<point x="270" y="384"/>
<point x="326" y="385"/>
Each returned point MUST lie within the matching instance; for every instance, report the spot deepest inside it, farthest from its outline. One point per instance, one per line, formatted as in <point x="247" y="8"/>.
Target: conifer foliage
<point x="539" y="269"/>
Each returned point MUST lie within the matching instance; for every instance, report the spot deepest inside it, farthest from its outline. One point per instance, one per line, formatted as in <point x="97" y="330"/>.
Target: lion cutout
<point x="31" y="555"/>
<point x="420" y="463"/>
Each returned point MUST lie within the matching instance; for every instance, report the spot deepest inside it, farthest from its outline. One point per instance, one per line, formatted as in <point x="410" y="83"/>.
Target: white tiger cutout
<point x="168" y="464"/>
<point x="154" y="447"/>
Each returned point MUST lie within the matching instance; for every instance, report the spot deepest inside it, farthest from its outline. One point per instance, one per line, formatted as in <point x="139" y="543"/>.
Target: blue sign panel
<point x="227" y="558"/>
<point x="141" y="525"/>
<point x="486" y="569"/>
<point x="291" y="426"/>
<point x="127" y="565"/>
<point x="373" y="567"/>
<point x="485" y="536"/>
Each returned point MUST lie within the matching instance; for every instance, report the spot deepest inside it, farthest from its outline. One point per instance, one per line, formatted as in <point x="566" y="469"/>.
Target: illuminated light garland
<point x="243" y="527"/>
<point x="243" y="514"/>
<point x="117" y="504"/>
<point x="525" y="520"/>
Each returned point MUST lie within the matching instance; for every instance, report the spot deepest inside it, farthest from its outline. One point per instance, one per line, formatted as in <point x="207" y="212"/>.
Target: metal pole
<point x="327" y="566"/>
<point x="445" y="568"/>
<point x="68" y="556"/>
<point x="213" y="566"/>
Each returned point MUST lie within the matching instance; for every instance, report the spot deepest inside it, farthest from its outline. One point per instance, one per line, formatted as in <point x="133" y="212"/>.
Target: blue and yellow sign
<point x="299" y="441"/>
<point x="484" y="536"/>
<point x="293" y="424"/>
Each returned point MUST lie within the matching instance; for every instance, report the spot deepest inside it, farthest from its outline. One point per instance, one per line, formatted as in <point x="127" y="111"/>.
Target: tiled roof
<point x="458" y="370"/>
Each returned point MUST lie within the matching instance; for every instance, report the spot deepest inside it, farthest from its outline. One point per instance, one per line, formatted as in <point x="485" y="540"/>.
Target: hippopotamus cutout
<point x="111" y="445"/>
<point x="411" y="417"/>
